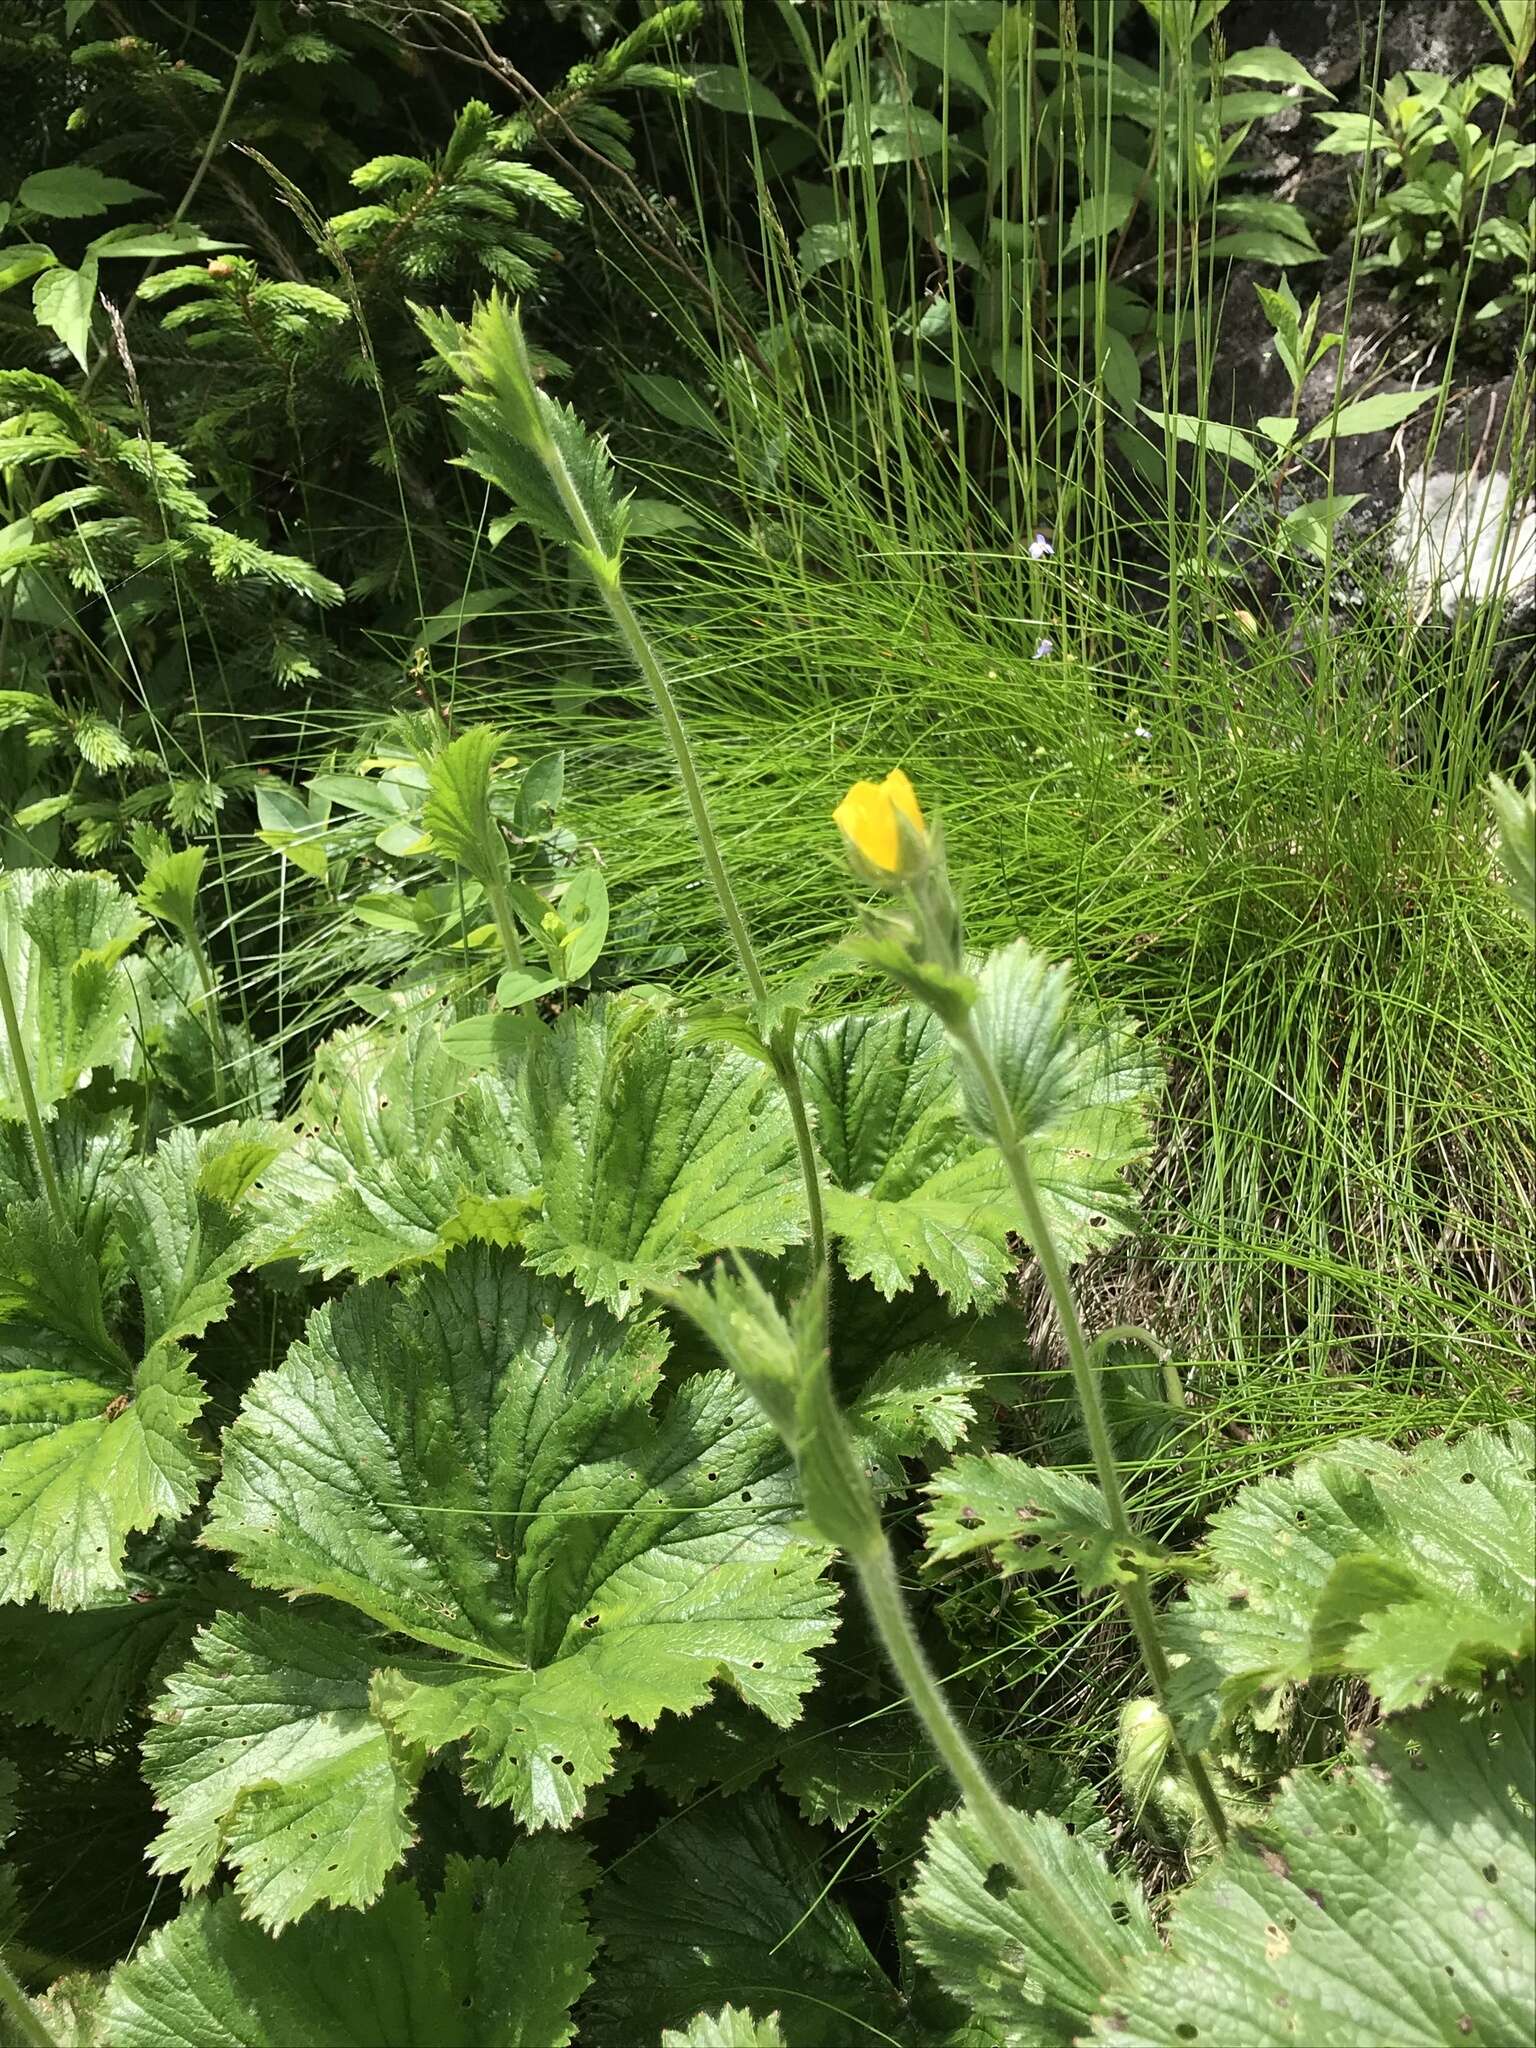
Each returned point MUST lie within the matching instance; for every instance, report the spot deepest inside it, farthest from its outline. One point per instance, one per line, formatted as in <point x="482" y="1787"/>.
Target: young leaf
<point x="64" y="300"/>
<point x="558" y="477"/>
<point x="1370" y="415"/>
<point x="457" y="811"/>
<point x="1032" y="1519"/>
<point x="1228" y="442"/>
<point x="62" y="937"/>
<point x="169" y="888"/>
<point x="730" y="2027"/>
<point x="1274" y="1945"/>
<point x="730" y="1904"/>
<point x="1408" y="1571"/>
<point x="470" y="1459"/>
<point x="496" y="1962"/>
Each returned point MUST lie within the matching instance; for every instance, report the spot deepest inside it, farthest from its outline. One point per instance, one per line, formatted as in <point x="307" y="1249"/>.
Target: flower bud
<point x="884" y="830"/>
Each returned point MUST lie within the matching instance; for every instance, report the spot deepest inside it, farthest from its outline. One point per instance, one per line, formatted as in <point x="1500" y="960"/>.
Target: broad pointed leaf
<point x="1411" y="1571"/>
<point x="497" y="1961"/>
<point x="471" y="1460"/>
<point x="62" y="937"/>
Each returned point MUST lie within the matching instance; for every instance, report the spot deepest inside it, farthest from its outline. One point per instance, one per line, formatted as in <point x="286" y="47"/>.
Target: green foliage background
<point x="409" y="1631"/>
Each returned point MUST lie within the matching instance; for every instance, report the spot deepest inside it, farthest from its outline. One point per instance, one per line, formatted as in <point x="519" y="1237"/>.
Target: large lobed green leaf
<point x="618" y="1155"/>
<point x="915" y="1190"/>
<point x="1409" y="1570"/>
<point x="729" y="1904"/>
<point x="62" y="938"/>
<point x="93" y="1445"/>
<point x="497" y="1961"/>
<point x="471" y="1461"/>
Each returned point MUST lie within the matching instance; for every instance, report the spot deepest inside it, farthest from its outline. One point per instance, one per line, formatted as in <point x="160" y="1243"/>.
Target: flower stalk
<point x="920" y="944"/>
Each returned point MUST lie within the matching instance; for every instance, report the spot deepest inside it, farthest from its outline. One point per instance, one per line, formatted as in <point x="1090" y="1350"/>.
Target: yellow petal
<point x="868" y="818"/>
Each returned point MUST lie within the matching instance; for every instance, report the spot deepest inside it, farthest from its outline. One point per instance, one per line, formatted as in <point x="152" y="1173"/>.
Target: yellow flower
<point x="870" y="819"/>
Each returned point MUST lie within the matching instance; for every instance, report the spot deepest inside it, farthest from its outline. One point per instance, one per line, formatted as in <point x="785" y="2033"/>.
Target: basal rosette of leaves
<point x="527" y="1547"/>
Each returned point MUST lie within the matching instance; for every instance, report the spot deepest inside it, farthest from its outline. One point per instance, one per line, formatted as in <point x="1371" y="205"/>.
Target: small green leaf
<point x="498" y="1037"/>
<point x="75" y="191"/>
<point x="584" y="913"/>
<point x="63" y="937"/>
<point x="934" y="35"/>
<point x="1031" y="1519"/>
<point x="1371" y="415"/>
<point x="1228" y="442"/>
<point x="169" y="888"/>
<point x="1275" y="66"/>
<point x="734" y="91"/>
<point x="457" y="812"/>
<point x="63" y="299"/>
<point x="19" y="263"/>
<point x="1515" y="816"/>
<point x="1097" y="219"/>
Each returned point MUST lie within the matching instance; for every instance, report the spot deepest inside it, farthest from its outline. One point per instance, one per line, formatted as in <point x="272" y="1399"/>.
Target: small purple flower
<point x="1039" y="548"/>
<point x="1043" y="647"/>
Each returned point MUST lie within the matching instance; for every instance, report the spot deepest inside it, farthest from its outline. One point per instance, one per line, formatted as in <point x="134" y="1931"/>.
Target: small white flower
<point x="1039" y="548"/>
<point x="1143" y="732"/>
<point x="1044" y="647"/>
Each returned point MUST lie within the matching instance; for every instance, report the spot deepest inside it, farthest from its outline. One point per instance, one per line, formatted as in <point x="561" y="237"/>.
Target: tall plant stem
<point x="1090" y="1400"/>
<point x="18" y="2008"/>
<point x="1006" y="1836"/>
<point x="637" y="641"/>
<point x="605" y="571"/>
<point x="29" y="1107"/>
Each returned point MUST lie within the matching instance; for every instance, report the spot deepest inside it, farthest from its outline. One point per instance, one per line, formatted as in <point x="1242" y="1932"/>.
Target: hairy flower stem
<point x="506" y="933"/>
<point x="606" y="572"/>
<point x="12" y="1024"/>
<point x="637" y="641"/>
<point x="1006" y="1838"/>
<point x="1090" y="1399"/>
<point x="18" y="2008"/>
